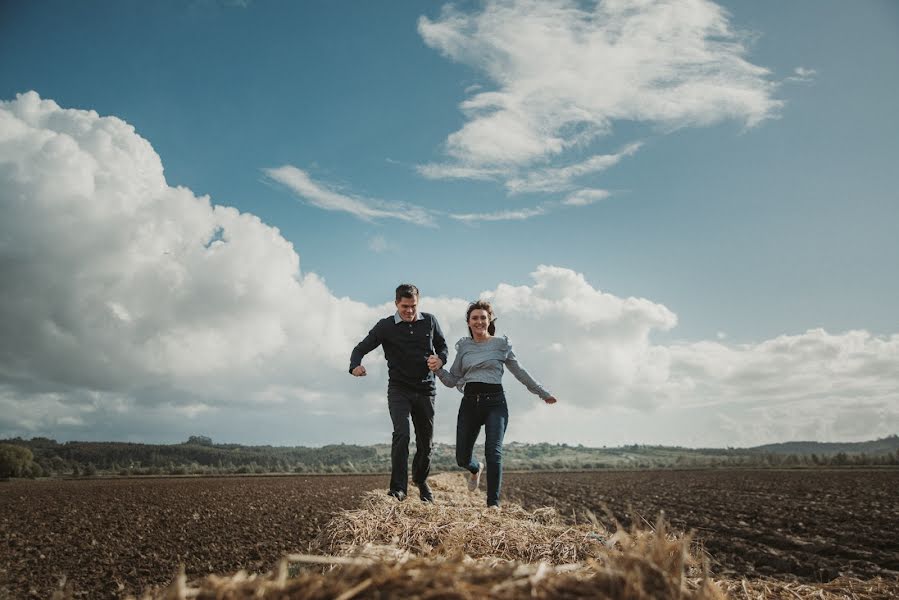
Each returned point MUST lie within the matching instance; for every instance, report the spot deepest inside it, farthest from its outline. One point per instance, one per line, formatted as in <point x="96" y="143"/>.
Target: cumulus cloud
<point x="117" y="283"/>
<point x="816" y="366"/>
<point x="321" y="195"/>
<point x="134" y="310"/>
<point x="596" y="341"/>
<point x="563" y="72"/>
<point x="594" y="350"/>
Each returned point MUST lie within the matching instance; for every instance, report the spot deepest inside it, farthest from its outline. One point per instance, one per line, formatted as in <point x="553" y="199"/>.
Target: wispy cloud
<point x="503" y="215"/>
<point x="579" y="198"/>
<point x="802" y="75"/>
<point x="565" y="71"/>
<point x="324" y="197"/>
<point x="378" y="244"/>
<point x="585" y="197"/>
<point x="454" y="171"/>
<point x="560" y="178"/>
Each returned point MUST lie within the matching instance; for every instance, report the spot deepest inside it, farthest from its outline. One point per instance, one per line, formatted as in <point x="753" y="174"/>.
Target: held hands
<point x="434" y="363"/>
<point x="550" y="400"/>
<point x="359" y="371"/>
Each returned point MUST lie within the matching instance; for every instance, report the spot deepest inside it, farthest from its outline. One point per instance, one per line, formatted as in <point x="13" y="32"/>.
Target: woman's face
<point x="478" y="321"/>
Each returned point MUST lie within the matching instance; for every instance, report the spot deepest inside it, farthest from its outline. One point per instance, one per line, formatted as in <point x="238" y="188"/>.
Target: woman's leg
<point x="468" y="426"/>
<point x="495" y="423"/>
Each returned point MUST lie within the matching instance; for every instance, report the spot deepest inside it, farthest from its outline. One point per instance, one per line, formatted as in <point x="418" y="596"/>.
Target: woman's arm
<point x="452" y="377"/>
<point x="524" y="377"/>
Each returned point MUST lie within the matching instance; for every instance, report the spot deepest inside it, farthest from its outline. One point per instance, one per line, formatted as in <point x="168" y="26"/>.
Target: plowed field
<point x="809" y="525"/>
<point x="112" y="537"/>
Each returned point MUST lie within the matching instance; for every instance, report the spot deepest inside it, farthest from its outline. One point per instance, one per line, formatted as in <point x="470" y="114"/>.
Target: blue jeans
<point x="419" y="405"/>
<point x="489" y="410"/>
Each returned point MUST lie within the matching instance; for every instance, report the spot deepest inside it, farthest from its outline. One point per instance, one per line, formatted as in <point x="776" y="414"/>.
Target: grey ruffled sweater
<point x="483" y="362"/>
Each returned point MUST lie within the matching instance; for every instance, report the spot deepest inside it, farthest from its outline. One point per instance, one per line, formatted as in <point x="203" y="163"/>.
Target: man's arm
<point x="371" y="341"/>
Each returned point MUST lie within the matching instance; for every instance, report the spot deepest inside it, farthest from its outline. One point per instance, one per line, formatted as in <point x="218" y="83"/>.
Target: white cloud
<point x="565" y="71"/>
<point x="585" y="197"/>
<point x="802" y="75"/>
<point x="138" y="311"/>
<point x="604" y="338"/>
<point x="320" y="195"/>
<point x="502" y="215"/>
<point x="378" y="244"/>
<point x="559" y="179"/>
<point x="118" y="283"/>
<point x="443" y="171"/>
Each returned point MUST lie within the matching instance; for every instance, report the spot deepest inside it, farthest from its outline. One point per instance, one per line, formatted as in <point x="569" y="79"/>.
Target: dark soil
<point x="794" y="525"/>
<point x="109" y="537"/>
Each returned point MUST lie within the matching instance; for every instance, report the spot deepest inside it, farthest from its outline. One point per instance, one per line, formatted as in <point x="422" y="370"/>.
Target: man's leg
<point x="399" y="403"/>
<point x="495" y="423"/>
<point x="423" y="420"/>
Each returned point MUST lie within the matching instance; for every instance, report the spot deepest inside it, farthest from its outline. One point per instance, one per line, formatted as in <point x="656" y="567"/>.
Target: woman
<point x="477" y="371"/>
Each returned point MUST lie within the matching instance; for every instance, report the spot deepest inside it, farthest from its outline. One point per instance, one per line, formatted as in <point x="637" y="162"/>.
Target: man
<point x="413" y="345"/>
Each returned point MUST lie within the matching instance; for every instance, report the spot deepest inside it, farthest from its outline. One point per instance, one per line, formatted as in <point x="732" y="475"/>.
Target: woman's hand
<point x="550" y="400"/>
<point x="434" y="363"/>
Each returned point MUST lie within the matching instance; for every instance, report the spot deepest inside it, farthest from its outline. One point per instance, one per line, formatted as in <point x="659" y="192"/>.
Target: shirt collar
<point x="397" y="319"/>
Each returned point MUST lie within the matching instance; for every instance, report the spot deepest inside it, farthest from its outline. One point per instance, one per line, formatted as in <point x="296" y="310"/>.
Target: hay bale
<point x="454" y="578"/>
<point x="458" y="523"/>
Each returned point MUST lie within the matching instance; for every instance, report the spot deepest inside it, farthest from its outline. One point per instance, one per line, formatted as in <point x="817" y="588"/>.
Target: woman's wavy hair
<point x="482" y="305"/>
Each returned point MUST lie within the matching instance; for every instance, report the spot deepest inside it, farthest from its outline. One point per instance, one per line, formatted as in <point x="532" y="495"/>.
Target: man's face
<point x="408" y="308"/>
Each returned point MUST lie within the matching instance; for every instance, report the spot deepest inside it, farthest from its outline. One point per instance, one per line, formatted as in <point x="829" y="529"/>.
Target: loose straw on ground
<point x="458" y="549"/>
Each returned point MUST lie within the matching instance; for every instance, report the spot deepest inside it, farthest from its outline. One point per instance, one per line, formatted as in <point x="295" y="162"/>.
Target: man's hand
<point x="434" y="362"/>
<point x="359" y="371"/>
<point x="550" y="400"/>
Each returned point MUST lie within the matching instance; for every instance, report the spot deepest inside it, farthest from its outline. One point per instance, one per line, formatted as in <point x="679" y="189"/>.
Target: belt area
<point x="484" y="396"/>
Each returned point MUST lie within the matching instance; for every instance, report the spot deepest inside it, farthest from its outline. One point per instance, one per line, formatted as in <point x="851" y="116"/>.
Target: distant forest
<point x="199" y="455"/>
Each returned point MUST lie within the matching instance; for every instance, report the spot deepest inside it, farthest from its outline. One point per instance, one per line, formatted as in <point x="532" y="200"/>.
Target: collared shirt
<point x="407" y="345"/>
<point x="397" y="319"/>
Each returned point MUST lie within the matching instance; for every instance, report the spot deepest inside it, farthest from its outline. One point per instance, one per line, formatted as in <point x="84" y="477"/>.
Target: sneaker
<point x="494" y="507"/>
<point x="400" y="495"/>
<point x="474" y="480"/>
<point x="424" y="492"/>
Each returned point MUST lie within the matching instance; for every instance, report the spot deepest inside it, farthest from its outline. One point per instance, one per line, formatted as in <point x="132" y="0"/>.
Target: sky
<point x="684" y="212"/>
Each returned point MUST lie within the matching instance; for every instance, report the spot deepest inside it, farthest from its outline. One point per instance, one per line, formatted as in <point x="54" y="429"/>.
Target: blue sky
<point x="749" y="191"/>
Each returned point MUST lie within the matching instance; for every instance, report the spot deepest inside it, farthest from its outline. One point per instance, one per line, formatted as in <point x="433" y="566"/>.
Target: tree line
<point x="198" y="455"/>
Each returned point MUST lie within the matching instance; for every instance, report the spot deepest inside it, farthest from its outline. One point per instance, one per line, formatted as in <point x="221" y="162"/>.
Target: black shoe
<point x="400" y="495"/>
<point x="424" y="492"/>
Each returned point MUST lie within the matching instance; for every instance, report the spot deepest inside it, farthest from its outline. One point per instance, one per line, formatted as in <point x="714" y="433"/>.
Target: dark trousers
<point x="405" y="403"/>
<point x="491" y="412"/>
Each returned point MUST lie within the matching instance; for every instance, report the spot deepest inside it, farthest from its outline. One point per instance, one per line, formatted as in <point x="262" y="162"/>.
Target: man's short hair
<point x="406" y="290"/>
